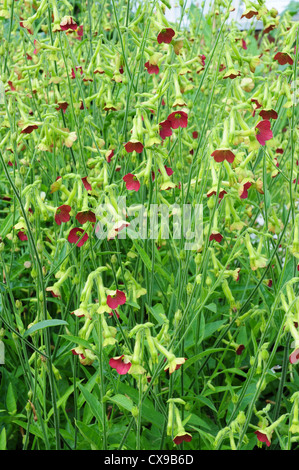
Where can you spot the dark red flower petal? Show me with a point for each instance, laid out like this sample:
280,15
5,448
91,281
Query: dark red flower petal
165,36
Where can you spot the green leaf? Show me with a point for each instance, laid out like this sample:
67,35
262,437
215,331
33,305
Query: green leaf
93,402
201,329
156,311
62,400
148,411
143,255
44,324
75,339
122,401
3,439
212,307
90,434
10,400
199,356
33,429
7,225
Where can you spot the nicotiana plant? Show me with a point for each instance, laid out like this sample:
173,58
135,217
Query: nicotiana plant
149,234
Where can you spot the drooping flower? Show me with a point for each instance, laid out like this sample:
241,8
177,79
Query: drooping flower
115,299
27,25
262,437
67,23
132,183
86,216
182,437
216,236
121,364
267,114
294,356
223,154
240,349
263,132
73,72
165,129
151,68
79,32
249,13
55,292
283,58
28,128
244,189
165,35
178,119
62,214
76,234
22,236
134,145
86,184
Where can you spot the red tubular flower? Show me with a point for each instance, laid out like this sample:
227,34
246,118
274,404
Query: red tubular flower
29,128
79,32
73,74
11,85
283,58
240,349
244,46
109,156
68,23
86,184
182,438
132,146
216,236
195,135
263,131
62,105
132,183
178,119
26,25
262,437
165,36
75,235
213,191
249,13
165,129
244,194
114,300
86,216
22,236
294,357
223,154
268,114
62,214
152,68
113,311
119,364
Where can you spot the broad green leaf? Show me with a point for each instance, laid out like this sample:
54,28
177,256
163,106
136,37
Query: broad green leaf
143,255
75,339
10,400
3,439
199,356
122,401
62,400
44,324
93,402
7,224
33,429
156,311
90,434
149,413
